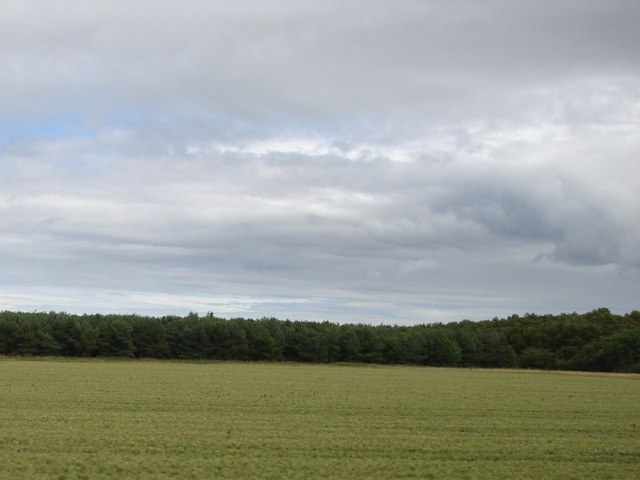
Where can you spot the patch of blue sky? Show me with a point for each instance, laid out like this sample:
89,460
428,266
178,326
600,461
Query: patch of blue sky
51,129
23,138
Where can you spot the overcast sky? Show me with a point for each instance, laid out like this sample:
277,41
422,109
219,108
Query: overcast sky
355,161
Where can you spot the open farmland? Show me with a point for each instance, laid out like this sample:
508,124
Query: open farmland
92,419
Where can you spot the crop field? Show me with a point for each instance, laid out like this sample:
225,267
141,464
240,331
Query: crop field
76,419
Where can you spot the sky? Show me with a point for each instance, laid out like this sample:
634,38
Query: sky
364,161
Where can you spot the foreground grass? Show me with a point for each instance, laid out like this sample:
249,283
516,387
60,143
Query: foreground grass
153,420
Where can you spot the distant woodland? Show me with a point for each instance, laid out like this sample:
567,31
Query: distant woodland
594,341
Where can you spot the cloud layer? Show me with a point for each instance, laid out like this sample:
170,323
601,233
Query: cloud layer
425,161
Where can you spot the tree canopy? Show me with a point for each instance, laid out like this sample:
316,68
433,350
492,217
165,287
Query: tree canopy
594,341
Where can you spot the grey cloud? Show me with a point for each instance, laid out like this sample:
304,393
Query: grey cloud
308,63
407,163
341,206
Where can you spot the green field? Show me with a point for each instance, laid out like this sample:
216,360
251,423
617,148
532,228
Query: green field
94,419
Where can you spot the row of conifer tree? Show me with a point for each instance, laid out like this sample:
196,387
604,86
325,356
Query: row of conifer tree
595,341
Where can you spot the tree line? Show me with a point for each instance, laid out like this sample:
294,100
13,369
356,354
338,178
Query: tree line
594,341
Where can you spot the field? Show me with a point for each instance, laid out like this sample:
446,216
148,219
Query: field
73,419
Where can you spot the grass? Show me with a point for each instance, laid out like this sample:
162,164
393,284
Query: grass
75,419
